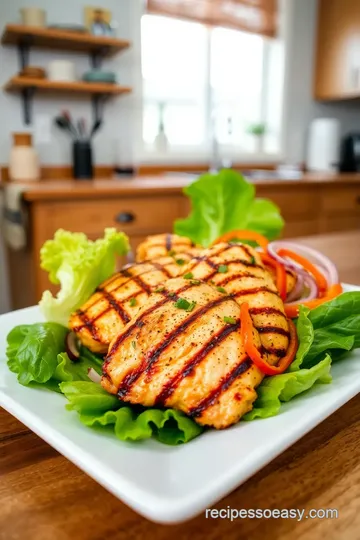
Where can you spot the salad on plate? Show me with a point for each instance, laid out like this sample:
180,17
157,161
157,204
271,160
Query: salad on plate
217,322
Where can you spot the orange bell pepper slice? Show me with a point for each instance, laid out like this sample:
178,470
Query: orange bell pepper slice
292,310
311,268
243,235
279,272
247,335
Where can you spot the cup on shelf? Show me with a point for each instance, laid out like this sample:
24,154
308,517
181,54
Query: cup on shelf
61,70
33,16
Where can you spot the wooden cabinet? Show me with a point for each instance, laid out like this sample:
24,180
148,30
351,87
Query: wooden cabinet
337,65
307,207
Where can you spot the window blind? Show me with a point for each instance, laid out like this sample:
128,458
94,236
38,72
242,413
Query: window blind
255,16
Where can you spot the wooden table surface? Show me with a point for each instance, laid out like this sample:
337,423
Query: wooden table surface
45,497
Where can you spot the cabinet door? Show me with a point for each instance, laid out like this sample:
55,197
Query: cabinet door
337,66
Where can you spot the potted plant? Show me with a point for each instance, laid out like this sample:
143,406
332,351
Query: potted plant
258,131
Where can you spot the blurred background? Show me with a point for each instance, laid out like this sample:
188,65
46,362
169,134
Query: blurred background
108,111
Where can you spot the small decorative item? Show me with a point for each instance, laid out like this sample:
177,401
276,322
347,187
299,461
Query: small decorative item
98,21
61,70
23,163
258,131
161,141
33,16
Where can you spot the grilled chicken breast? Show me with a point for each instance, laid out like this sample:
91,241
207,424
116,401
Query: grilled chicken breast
161,244
238,270
194,360
117,300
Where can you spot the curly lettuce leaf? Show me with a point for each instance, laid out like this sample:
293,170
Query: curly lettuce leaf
281,388
224,202
98,409
78,265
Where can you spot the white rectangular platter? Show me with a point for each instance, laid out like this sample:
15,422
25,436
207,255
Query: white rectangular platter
170,484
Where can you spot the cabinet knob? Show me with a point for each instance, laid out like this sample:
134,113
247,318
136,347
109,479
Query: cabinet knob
125,217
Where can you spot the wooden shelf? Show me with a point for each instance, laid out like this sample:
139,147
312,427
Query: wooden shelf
17,84
51,38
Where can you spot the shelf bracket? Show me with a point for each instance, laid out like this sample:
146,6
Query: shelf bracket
24,51
98,101
27,95
96,57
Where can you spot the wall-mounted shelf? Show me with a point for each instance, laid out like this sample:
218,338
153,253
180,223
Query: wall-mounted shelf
97,47
50,38
43,85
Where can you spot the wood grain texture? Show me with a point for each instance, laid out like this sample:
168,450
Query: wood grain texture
53,38
16,84
155,184
45,496
335,71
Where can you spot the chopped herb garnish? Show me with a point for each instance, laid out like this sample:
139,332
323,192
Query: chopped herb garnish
221,289
133,302
160,289
230,320
172,294
189,275
253,260
222,269
172,252
133,343
195,282
182,303
180,262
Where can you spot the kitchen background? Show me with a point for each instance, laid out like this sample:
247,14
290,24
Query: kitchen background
291,106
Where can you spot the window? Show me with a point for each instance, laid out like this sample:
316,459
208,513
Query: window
204,86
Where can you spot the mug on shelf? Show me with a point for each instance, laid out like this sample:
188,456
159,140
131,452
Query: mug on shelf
33,16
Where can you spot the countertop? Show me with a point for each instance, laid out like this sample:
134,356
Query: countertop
43,495
155,185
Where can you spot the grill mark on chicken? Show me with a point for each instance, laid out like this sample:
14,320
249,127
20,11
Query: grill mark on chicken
171,385
272,330
265,310
139,322
234,277
137,279
278,352
116,306
208,259
225,383
86,323
254,290
247,251
161,268
153,356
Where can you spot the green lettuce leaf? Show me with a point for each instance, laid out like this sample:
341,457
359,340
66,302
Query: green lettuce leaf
35,354
101,410
280,388
32,351
333,327
224,202
78,265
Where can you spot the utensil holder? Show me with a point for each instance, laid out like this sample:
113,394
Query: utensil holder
82,160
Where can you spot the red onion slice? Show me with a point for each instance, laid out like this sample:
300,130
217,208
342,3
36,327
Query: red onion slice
72,346
327,266
309,282
94,376
297,291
